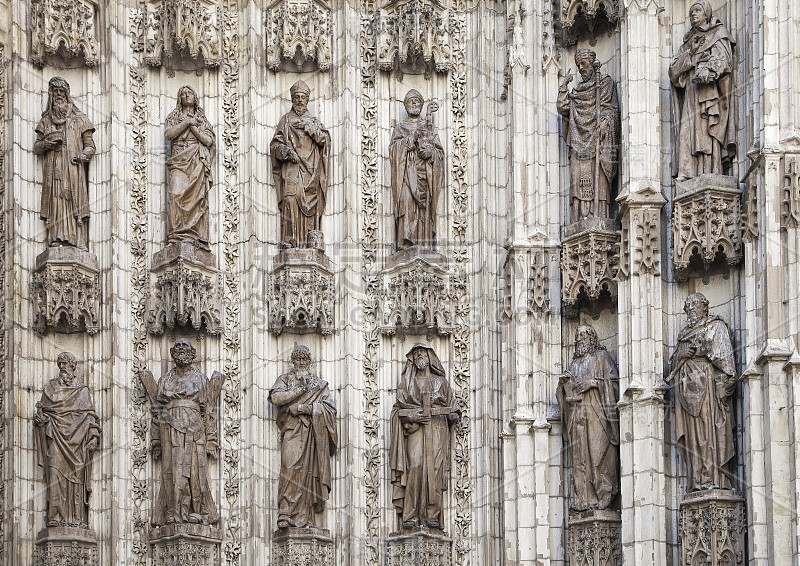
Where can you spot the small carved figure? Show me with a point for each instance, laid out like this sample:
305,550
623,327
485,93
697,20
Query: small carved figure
704,373
587,395
419,453
67,434
591,130
417,158
64,138
184,436
300,152
307,421
703,131
189,166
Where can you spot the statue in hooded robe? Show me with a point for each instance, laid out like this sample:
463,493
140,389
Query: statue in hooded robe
307,421
591,130
587,395
704,375
704,134
67,434
417,159
64,138
419,451
189,165
300,153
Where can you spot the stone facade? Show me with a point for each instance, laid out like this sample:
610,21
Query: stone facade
499,298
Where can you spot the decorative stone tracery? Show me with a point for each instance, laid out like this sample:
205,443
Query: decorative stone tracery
176,29
413,32
75,546
712,527
66,27
790,205
185,545
595,539
303,547
589,263
300,293
582,19
299,30
418,548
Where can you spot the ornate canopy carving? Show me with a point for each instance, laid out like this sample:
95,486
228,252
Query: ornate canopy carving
414,32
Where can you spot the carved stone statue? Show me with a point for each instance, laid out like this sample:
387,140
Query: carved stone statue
300,152
704,135
307,421
189,166
417,159
419,453
704,374
184,436
67,434
64,139
587,395
591,130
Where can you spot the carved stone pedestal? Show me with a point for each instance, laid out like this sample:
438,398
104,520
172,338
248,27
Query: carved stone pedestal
302,547
56,546
185,291
595,538
416,294
300,292
706,222
420,548
589,264
712,527
66,291
185,544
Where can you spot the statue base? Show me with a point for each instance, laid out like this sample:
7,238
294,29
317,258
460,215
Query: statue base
66,291
416,293
589,265
706,225
186,544
66,545
300,292
186,290
595,538
420,547
302,547
712,528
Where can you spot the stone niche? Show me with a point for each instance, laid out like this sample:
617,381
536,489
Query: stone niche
589,265
186,290
302,547
186,544
595,538
298,31
300,292
65,28
416,293
418,548
706,224
57,546
712,528
66,291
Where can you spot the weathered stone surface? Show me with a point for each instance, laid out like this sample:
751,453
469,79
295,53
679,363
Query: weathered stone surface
595,538
181,29
299,31
303,547
65,28
185,545
712,528
589,264
57,546
414,33
418,548
300,292
587,19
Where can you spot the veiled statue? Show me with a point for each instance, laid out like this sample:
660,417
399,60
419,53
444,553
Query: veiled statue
67,435
184,437
587,395
704,134
189,164
417,159
591,130
300,151
64,139
307,422
419,452
704,375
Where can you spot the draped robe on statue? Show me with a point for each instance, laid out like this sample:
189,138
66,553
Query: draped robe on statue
65,191
591,428
704,134
303,186
705,379
416,182
190,181
307,443
62,445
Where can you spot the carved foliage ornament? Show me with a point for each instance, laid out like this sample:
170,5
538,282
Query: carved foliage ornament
66,25
417,298
183,295
712,526
182,28
790,206
183,552
302,551
582,19
416,550
56,553
539,282
299,30
66,297
589,264
595,541
301,300
414,31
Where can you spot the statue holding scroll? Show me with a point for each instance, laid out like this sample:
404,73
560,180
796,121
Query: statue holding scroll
419,452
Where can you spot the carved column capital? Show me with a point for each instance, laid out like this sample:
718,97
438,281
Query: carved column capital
640,241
